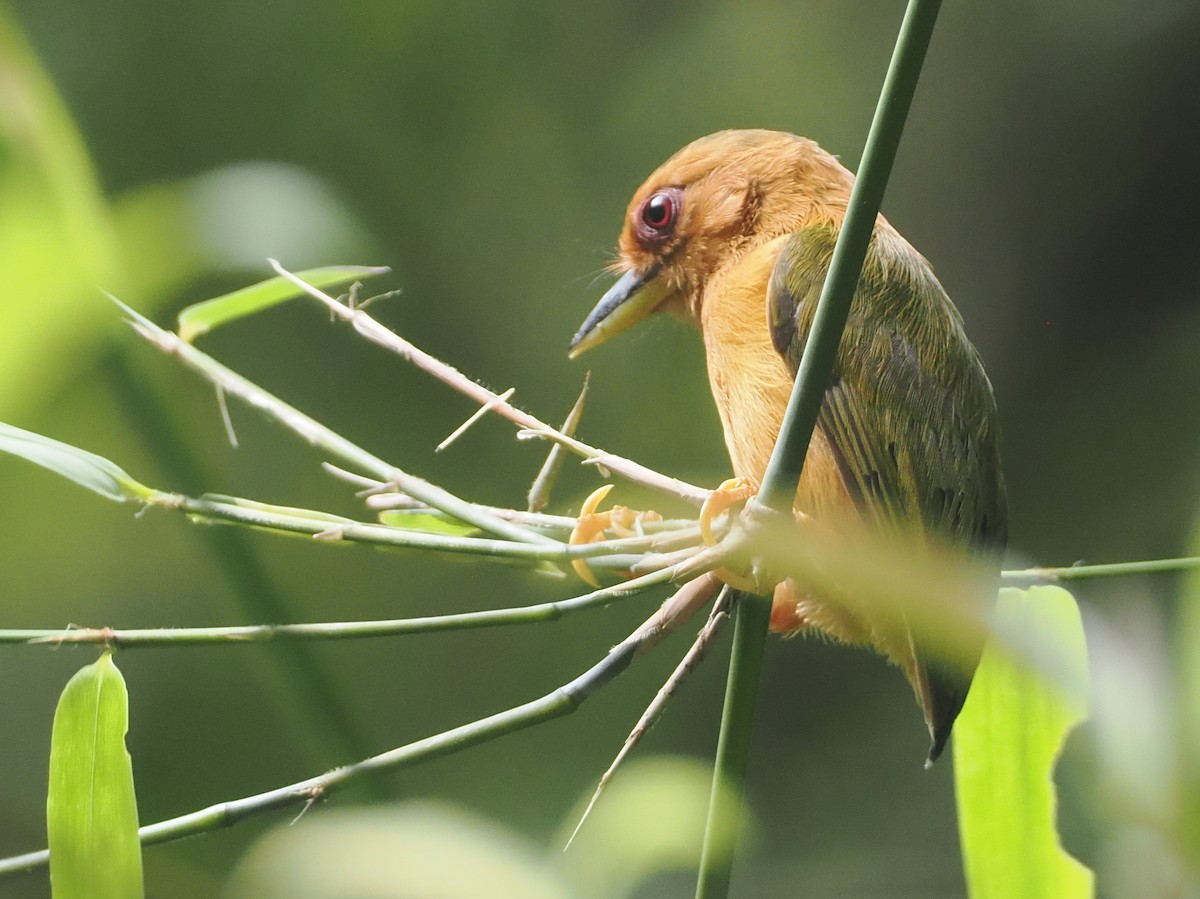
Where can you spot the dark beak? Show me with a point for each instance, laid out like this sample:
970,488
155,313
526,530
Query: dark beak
632,298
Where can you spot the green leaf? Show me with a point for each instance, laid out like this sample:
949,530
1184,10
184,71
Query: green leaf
1007,742
91,810
429,521
200,318
86,469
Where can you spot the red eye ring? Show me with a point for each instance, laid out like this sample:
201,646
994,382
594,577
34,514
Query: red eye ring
659,211
658,215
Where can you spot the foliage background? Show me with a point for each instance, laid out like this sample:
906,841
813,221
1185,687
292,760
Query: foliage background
486,151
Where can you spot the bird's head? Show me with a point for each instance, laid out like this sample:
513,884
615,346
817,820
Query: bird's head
707,205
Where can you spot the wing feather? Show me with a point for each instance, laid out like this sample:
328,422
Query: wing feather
911,417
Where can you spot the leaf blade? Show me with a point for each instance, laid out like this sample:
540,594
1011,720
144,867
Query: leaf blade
84,468
91,808
427,521
1007,742
202,317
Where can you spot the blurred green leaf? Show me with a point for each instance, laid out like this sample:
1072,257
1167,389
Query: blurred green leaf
56,240
1187,652
410,851
649,821
1186,634
91,810
1007,742
86,469
61,241
200,318
228,219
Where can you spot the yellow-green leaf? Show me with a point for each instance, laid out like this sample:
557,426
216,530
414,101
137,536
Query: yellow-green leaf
200,318
91,810
1007,742
429,521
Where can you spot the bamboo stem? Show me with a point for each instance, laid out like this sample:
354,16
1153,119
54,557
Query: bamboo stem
787,460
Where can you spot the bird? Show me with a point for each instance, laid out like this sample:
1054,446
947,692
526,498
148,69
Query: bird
734,233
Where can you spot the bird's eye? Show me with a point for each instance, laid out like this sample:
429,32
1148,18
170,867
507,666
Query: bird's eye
658,215
659,212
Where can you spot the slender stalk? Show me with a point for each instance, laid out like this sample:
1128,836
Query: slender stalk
377,333
559,702
539,490
833,308
1108,569
334,529
716,620
550,611
322,437
733,757
699,563
787,460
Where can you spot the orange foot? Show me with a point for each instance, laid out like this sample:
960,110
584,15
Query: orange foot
732,493
592,527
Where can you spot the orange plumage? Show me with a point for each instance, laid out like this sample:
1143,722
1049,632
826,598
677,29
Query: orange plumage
734,234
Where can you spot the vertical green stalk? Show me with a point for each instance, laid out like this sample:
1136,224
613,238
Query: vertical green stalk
787,461
733,746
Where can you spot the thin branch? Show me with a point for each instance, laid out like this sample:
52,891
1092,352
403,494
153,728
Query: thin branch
335,529
377,333
320,436
475,416
226,418
1108,569
700,563
562,701
382,496
539,490
559,702
716,620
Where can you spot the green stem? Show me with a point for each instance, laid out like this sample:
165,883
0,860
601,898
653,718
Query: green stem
833,308
1109,569
334,529
737,724
559,702
787,461
550,611
308,428
377,333
354,630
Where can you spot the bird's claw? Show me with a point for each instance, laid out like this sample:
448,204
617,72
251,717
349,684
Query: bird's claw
591,527
732,492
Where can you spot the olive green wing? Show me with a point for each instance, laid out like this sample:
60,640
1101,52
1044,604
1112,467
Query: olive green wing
910,415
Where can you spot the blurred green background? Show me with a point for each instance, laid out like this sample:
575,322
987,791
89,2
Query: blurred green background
486,152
